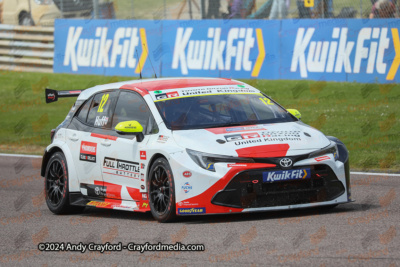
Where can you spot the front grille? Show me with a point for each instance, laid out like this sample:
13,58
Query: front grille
248,190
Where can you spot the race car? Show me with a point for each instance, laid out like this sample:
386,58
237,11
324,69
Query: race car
188,146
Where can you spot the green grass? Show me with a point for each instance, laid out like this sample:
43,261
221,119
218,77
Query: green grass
364,116
140,9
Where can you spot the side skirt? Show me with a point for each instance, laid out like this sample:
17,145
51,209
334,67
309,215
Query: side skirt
78,199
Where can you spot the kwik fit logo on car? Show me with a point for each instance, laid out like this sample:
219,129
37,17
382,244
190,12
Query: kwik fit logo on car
274,176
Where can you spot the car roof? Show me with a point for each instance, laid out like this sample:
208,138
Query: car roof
159,84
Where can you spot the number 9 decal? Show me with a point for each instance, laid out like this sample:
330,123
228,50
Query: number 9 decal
102,103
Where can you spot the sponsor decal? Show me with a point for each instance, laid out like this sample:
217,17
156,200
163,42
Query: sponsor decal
249,128
281,136
122,207
51,96
100,191
142,166
100,51
322,158
187,174
143,155
235,137
186,203
172,94
161,96
210,167
286,175
167,95
250,135
145,205
201,91
98,204
88,151
97,191
162,139
142,187
218,52
191,210
144,196
101,121
186,187
121,167
237,165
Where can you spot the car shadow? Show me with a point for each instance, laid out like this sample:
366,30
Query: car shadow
235,217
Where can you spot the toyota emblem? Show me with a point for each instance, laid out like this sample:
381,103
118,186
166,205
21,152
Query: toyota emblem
285,162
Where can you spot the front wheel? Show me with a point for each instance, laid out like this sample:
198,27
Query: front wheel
161,191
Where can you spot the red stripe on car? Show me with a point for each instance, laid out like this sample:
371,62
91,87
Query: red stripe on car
265,151
322,158
180,83
204,199
133,87
103,136
235,129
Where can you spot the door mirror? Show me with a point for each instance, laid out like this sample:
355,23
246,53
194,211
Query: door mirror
129,127
295,113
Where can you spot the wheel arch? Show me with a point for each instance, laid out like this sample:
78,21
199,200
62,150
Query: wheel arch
63,148
151,162
46,157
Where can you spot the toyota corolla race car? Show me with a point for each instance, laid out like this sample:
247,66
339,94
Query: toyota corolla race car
188,146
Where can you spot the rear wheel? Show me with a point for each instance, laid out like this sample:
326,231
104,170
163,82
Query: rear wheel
56,185
161,191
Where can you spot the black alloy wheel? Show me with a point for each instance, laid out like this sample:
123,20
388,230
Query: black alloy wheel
161,191
56,185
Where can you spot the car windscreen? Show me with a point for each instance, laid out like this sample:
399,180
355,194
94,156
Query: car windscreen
210,111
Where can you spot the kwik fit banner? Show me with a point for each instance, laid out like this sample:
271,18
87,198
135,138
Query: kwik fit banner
331,49
107,47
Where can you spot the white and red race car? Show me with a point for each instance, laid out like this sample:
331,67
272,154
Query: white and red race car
185,146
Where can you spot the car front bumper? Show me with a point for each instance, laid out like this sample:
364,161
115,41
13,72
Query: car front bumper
235,188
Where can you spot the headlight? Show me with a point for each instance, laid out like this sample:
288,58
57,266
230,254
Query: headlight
331,149
207,161
44,2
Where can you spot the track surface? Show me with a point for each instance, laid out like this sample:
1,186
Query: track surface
365,232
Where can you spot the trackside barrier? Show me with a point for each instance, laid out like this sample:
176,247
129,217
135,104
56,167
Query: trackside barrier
362,50
26,48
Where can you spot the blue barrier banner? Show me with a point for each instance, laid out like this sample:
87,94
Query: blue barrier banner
360,50
107,47
221,48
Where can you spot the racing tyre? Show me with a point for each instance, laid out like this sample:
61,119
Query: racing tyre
161,191
56,185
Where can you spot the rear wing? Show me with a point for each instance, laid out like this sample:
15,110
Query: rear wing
53,95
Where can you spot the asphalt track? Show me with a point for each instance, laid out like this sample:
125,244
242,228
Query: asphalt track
363,233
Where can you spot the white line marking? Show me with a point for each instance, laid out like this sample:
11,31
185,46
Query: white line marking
375,173
20,155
